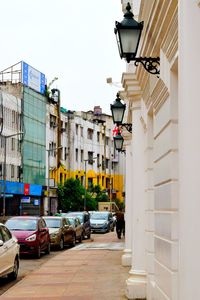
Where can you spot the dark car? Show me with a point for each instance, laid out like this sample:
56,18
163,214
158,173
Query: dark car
61,231
32,234
84,218
76,223
102,221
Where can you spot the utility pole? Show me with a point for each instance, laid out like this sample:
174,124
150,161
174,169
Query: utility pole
85,184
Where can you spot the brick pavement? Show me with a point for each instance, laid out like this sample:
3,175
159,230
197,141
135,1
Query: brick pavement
83,274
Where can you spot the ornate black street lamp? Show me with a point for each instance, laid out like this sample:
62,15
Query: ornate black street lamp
118,109
118,142
128,34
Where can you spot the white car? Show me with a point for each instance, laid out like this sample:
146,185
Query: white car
9,253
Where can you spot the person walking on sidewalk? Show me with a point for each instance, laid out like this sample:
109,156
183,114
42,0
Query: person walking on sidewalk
120,223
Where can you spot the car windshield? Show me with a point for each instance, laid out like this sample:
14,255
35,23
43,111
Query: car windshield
78,215
99,216
53,223
22,224
71,221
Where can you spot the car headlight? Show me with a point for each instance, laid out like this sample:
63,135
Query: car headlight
31,238
106,222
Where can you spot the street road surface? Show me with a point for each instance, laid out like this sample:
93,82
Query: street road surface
29,263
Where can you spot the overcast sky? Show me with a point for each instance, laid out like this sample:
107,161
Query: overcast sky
71,40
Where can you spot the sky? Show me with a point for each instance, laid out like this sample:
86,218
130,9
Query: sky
71,40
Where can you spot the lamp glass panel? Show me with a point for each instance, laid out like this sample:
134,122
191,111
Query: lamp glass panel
118,44
129,40
119,143
118,114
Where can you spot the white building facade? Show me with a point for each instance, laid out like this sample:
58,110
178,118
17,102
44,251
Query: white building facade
164,153
87,153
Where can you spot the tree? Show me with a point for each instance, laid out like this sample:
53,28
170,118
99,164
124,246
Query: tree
97,193
70,195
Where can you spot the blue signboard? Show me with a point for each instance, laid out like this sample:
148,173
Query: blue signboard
18,188
33,78
35,190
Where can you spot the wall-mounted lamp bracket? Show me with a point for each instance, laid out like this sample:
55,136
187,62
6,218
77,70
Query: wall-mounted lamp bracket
128,126
149,63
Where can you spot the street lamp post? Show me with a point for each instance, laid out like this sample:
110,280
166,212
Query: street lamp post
85,161
48,178
5,137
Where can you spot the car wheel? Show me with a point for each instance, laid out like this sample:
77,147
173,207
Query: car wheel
48,250
80,239
14,273
73,243
38,254
61,245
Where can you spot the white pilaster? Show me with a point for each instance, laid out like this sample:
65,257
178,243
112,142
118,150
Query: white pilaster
127,253
189,153
136,283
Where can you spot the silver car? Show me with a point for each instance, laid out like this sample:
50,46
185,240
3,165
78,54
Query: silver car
9,253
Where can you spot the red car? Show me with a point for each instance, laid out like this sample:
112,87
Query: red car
32,234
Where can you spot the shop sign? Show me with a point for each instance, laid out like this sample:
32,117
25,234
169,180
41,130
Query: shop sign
26,189
33,78
25,200
36,202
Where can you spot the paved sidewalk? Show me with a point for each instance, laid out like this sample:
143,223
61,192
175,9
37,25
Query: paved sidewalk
85,274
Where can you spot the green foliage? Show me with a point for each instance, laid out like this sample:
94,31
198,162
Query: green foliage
99,195
70,195
91,203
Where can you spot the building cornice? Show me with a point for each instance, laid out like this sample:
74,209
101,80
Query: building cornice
160,24
131,86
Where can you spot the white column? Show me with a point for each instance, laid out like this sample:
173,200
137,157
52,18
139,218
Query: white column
189,149
149,193
136,283
127,253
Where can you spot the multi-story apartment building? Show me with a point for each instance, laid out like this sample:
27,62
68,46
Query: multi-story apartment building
10,151
87,152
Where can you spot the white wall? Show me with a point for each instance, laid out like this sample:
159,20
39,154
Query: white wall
189,144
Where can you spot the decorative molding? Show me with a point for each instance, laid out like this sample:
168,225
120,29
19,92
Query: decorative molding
159,95
170,41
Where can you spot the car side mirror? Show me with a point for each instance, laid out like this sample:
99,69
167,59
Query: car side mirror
1,243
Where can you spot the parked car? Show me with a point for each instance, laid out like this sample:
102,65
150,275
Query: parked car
76,223
61,231
84,218
32,234
9,253
102,221
114,219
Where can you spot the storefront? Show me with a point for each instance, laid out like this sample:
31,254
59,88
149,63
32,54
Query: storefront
21,198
